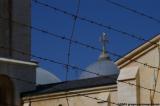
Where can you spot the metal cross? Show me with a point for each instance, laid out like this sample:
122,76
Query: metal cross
104,41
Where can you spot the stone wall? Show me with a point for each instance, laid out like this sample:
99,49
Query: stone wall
22,76
109,95
12,34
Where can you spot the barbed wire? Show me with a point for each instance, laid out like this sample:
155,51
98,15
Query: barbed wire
71,36
86,45
79,43
110,27
30,82
78,94
95,98
75,67
70,44
133,10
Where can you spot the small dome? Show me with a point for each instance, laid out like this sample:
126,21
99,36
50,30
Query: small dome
45,77
102,67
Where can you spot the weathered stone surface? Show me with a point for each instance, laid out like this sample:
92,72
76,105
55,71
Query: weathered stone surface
12,34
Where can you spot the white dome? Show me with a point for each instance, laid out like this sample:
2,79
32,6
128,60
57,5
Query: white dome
101,67
45,77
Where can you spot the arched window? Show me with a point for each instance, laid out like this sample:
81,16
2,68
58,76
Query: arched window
6,91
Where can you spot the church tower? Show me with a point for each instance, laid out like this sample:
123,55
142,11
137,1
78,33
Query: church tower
13,35
17,72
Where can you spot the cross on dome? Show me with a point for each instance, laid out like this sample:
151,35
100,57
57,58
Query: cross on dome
104,40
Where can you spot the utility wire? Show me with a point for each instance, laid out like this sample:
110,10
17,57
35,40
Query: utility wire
110,27
133,10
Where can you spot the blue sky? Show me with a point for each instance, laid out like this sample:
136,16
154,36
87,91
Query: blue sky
99,10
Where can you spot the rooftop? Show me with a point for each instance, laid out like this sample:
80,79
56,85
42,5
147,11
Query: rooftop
73,85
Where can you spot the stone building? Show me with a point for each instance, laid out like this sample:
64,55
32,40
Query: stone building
17,72
137,82
14,65
133,79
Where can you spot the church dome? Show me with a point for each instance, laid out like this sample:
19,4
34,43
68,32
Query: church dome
45,77
104,66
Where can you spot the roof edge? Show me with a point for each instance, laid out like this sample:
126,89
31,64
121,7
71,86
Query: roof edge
138,50
71,93
15,61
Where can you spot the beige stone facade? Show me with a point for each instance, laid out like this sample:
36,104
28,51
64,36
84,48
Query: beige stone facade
82,97
138,79
148,75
